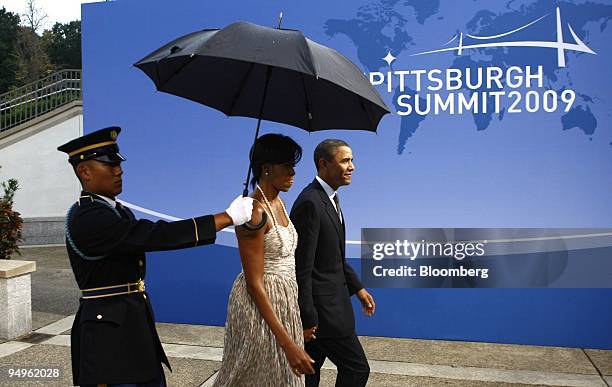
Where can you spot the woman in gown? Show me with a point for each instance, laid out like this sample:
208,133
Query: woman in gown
263,334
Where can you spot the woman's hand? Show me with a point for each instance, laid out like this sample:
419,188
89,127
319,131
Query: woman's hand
309,334
298,359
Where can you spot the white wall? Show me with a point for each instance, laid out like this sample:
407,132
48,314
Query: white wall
47,184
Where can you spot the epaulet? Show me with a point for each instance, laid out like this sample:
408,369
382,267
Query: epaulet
92,200
85,199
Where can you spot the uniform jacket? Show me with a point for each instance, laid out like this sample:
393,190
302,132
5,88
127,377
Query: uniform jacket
325,280
114,338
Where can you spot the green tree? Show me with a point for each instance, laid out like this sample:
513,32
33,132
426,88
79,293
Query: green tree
9,26
25,56
33,60
63,45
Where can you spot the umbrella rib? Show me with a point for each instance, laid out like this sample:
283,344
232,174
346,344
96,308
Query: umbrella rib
191,59
363,105
308,106
315,73
240,89
157,73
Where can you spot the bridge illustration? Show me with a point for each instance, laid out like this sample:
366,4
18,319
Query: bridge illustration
560,45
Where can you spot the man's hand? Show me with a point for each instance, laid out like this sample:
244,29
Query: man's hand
309,334
367,302
240,210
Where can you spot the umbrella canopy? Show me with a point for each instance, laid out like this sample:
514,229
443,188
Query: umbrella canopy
267,73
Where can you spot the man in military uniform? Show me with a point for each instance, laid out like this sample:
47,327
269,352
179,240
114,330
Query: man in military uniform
113,338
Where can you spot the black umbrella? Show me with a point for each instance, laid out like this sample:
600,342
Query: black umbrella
267,73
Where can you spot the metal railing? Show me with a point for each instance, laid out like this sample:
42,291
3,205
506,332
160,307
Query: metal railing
40,97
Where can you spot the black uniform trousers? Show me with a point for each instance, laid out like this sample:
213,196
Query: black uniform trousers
160,381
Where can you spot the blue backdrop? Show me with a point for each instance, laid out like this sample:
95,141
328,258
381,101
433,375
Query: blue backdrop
501,168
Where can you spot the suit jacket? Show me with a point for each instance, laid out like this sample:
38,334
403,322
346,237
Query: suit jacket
114,339
325,280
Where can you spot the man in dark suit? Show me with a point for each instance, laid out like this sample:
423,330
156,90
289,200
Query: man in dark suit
325,280
113,338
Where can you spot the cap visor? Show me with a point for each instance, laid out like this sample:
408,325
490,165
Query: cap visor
114,157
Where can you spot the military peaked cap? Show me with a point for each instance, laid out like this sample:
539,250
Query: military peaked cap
100,145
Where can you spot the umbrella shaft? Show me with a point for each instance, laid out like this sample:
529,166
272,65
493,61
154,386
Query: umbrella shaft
245,192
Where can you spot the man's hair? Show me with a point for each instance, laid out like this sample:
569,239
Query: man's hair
326,150
75,168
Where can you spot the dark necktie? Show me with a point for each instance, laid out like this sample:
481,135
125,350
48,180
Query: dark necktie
338,210
122,211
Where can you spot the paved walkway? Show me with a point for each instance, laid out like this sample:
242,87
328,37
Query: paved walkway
195,351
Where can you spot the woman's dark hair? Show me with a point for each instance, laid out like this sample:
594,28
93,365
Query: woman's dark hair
273,149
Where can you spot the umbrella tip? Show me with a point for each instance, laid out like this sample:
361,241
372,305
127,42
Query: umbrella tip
280,19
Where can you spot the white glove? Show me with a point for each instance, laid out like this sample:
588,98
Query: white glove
240,210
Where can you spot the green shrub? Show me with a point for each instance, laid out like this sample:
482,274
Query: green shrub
11,223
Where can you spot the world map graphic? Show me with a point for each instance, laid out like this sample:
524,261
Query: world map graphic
382,27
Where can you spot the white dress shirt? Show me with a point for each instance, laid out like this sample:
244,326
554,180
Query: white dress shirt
109,200
330,194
